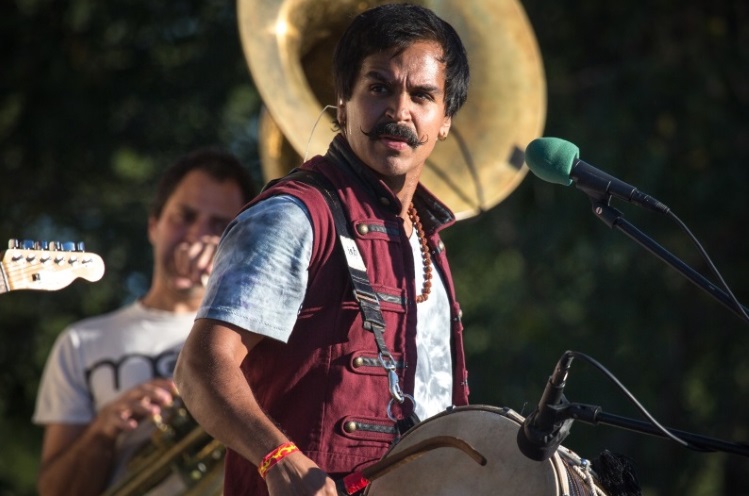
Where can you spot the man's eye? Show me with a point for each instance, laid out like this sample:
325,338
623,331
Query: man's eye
185,217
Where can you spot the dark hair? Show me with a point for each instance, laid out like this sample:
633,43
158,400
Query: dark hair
399,26
217,163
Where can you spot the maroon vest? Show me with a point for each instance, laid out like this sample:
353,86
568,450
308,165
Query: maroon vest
326,387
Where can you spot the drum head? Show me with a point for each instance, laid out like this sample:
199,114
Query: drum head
448,471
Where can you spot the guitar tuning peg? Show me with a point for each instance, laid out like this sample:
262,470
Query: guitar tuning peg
80,246
28,244
68,246
43,245
54,245
12,243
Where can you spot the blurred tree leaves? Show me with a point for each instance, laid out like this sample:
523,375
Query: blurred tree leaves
96,98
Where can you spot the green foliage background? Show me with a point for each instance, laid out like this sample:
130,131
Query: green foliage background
96,98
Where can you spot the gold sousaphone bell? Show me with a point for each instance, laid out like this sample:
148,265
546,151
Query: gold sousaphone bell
289,44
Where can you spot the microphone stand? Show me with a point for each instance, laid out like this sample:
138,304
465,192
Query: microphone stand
594,415
615,219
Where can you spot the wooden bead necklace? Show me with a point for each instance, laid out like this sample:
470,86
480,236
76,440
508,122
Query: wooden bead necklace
426,259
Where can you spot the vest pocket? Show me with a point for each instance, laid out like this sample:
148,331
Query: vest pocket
367,428
368,363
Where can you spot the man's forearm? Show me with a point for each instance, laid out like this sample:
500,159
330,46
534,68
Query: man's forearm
83,470
231,415
216,393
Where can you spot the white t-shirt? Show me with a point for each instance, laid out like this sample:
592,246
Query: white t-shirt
434,378
95,360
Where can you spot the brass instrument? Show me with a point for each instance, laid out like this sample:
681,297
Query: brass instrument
178,458
288,45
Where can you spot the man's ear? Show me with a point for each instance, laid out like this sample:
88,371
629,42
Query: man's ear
445,128
341,113
152,221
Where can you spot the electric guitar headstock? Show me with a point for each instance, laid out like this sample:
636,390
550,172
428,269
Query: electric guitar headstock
46,266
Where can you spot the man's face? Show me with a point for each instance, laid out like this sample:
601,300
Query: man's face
196,213
407,89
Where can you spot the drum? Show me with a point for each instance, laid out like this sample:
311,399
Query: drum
492,432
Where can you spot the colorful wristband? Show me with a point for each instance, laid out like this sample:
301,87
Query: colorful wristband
276,456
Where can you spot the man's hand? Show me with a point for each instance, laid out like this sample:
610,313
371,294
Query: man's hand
297,475
134,406
194,261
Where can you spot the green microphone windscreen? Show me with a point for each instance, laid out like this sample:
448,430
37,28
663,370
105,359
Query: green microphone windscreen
551,159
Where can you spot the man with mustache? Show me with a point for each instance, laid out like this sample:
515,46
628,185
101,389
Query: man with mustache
318,341
110,374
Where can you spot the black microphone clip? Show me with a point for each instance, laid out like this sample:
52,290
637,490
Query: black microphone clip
548,425
540,443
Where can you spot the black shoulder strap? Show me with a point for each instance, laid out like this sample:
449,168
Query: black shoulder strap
363,292
366,297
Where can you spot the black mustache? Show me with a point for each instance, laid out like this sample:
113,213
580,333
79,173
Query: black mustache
397,131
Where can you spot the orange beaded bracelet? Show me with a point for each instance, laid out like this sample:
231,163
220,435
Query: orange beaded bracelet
276,456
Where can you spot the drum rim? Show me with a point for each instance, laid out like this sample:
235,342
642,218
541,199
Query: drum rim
504,412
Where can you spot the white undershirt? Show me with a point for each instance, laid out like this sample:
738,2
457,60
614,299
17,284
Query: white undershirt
434,378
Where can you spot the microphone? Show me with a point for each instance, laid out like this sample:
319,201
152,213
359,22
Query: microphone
544,430
557,161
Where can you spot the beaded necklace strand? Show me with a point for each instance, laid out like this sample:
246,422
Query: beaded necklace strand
426,259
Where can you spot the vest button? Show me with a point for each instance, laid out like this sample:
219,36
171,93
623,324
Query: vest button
441,245
362,229
358,362
350,427
385,201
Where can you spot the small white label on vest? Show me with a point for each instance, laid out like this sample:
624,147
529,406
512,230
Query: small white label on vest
353,257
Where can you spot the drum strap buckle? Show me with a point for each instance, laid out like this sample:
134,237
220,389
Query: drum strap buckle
388,363
404,424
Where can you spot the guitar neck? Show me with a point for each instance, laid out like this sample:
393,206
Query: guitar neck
46,270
